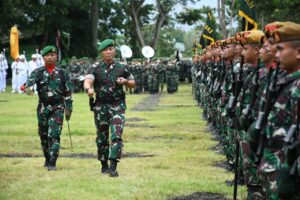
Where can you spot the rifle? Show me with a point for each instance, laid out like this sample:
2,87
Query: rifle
221,78
236,169
237,88
291,142
263,116
239,85
247,118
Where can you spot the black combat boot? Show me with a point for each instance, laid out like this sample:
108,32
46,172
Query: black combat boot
113,168
46,162
104,168
46,159
52,164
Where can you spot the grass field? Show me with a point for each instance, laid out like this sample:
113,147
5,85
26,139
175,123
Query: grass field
167,153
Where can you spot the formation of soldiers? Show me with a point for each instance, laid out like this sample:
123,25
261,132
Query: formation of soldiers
77,68
249,89
151,76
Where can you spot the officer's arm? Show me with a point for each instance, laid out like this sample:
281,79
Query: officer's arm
88,84
130,83
28,86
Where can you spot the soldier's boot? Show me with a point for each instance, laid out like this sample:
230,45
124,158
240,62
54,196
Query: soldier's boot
52,164
104,167
46,159
113,168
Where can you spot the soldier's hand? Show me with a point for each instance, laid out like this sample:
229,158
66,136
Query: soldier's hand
68,114
90,92
122,81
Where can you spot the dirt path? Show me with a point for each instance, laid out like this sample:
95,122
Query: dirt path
148,104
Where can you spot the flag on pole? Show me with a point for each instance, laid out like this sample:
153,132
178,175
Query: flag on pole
248,14
14,42
58,44
208,35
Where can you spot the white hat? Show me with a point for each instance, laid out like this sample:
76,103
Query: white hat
33,56
21,57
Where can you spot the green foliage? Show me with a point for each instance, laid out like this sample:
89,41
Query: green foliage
278,10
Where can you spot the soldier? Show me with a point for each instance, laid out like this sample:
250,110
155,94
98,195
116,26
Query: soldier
286,35
161,74
250,41
106,79
54,89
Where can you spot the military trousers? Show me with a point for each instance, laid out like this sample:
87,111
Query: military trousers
50,122
109,117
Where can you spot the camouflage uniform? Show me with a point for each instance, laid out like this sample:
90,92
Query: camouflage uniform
109,108
279,121
54,92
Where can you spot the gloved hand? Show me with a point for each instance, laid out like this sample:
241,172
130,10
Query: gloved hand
68,114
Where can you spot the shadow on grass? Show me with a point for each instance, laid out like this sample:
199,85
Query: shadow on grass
200,196
72,155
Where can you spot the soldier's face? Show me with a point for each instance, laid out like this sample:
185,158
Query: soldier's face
108,54
287,56
238,50
50,58
265,52
229,51
250,53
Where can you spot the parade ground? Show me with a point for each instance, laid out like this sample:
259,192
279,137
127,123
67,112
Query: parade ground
168,153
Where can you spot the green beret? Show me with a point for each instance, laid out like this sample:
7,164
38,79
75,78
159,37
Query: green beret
106,43
49,49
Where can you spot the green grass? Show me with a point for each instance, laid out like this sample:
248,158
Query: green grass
177,139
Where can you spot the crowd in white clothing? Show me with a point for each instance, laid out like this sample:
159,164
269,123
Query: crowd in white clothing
21,69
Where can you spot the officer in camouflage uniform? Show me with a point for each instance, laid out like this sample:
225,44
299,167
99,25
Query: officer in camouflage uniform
172,76
161,74
106,79
54,89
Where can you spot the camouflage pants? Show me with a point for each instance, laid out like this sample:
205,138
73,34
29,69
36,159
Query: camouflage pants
109,116
269,172
253,183
50,121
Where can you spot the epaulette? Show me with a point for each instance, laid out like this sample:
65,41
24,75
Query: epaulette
95,64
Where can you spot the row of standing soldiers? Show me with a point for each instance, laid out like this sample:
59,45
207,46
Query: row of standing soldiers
149,76
249,89
152,75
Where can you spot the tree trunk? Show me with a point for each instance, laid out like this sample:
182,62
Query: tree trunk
231,19
221,16
94,25
137,24
159,22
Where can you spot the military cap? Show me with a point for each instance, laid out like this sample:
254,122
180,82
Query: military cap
49,49
250,37
106,43
283,31
231,40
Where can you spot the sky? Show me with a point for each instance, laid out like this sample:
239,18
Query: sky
211,3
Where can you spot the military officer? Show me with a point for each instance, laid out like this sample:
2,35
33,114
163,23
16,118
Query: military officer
105,80
55,99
